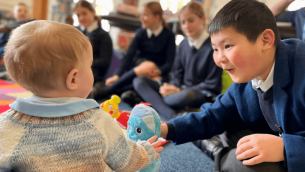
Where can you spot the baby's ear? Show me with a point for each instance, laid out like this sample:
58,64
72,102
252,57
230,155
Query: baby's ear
72,79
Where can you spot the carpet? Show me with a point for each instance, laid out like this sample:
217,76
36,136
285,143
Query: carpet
9,92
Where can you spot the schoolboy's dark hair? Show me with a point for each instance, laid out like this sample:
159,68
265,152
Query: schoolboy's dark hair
247,17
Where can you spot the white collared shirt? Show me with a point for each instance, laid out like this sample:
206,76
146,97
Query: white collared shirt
197,44
90,28
264,85
59,100
156,32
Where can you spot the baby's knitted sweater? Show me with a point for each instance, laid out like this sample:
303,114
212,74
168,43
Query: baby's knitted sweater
89,140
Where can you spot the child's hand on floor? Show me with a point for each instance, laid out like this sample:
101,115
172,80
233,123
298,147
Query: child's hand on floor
156,145
258,148
167,89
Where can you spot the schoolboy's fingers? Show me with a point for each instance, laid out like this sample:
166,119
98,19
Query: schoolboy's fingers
139,140
253,161
243,140
158,149
152,139
157,143
247,154
243,147
157,156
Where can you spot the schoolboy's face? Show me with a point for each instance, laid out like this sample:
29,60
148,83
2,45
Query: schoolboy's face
240,58
86,75
191,24
21,12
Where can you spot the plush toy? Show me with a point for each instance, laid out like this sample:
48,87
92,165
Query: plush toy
144,122
112,107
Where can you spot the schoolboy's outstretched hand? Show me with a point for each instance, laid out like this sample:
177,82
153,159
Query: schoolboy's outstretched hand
156,145
257,148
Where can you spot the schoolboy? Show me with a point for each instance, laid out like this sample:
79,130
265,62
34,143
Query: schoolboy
57,129
265,106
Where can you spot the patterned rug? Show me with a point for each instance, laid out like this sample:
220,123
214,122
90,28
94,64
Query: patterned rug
9,92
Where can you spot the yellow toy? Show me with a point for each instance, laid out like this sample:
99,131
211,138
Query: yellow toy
112,107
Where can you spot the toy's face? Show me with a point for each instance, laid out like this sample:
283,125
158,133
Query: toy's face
137,129
111,108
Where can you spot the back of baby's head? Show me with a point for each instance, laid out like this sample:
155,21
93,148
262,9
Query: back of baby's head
40,54
247,17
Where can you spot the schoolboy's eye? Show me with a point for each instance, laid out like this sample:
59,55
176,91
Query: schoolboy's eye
227,46
215,50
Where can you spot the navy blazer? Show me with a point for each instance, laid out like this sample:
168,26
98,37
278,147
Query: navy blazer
240,106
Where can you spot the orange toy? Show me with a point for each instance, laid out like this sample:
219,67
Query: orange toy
112,107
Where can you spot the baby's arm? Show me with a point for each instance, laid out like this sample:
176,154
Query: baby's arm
280,6
121,153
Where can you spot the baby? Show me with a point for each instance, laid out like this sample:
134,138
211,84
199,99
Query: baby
57,129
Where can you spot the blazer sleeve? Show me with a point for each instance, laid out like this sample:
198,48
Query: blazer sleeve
170,55
212,120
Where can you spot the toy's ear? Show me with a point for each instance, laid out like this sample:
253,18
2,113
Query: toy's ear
150,122
115,99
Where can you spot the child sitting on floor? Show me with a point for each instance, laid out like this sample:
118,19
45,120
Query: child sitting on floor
262,113
57,129
20,14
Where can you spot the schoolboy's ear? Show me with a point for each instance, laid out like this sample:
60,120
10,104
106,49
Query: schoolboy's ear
267,39
71,81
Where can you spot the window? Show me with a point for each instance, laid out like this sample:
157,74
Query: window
173,5
295,5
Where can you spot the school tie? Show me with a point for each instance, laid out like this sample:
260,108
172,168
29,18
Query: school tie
152,36
193,49
84,31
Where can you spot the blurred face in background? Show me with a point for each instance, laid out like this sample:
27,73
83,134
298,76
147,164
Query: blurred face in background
85,16
21,12
149,20
192,25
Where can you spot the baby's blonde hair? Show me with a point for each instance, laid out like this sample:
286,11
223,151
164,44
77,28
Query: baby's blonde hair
40,54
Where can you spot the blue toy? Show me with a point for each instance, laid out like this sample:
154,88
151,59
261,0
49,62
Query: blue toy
144,122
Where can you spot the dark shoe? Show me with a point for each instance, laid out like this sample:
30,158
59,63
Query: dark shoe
131,97
99,92
211,147
181,113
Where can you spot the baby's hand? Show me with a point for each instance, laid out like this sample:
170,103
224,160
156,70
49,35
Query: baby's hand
156,145
258,148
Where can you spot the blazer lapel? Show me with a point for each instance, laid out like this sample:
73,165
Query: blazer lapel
281,80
